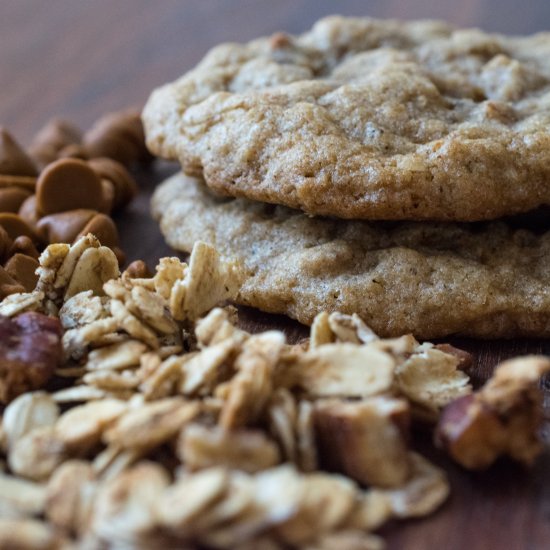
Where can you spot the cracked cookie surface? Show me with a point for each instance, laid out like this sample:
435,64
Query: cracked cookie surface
362,118
485,280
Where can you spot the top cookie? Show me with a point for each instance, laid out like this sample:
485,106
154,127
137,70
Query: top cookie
360,118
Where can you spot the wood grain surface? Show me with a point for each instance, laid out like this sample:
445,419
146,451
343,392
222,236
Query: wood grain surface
81,58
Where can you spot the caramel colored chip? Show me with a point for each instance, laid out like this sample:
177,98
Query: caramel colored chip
13,160
11,198
124,185
15,225
5,243
23,269
8,285
103,228
64,227
118,136
108,190
51,139
68,184
28,211
73,151
23,245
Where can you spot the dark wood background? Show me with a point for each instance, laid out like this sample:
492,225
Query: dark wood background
81,58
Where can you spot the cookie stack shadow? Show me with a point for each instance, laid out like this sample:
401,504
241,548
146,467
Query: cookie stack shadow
369,167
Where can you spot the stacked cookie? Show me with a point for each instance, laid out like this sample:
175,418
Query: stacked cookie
356,157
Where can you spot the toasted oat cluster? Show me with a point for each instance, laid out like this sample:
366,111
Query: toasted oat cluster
170,426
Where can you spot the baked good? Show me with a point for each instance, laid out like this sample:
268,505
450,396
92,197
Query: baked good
484,280
362,118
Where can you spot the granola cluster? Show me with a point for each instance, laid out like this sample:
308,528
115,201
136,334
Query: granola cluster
170,426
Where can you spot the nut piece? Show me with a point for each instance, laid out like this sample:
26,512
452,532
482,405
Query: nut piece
503,418
68,184
138,270
366,440
30,349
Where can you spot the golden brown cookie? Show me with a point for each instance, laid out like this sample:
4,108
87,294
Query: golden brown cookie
361,118
483,280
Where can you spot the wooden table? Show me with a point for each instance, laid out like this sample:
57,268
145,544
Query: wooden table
80,59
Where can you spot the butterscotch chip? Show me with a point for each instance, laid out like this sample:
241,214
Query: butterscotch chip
28,211
124,185
51,139
365,118
74,151
24,182
23,245
68,184
15,226
5,243
425,278
64,227
11,198
22,268
13,160
103,228
118,136
8,285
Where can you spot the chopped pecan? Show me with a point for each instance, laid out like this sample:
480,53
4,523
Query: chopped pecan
503,418
30,349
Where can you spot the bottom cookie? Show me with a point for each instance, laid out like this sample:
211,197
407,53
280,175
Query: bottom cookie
483,280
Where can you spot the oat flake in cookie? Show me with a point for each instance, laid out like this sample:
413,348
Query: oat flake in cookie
487,280
360,118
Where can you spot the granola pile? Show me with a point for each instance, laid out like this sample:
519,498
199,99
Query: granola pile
147,418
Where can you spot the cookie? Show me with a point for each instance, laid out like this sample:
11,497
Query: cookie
361,118
484,280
